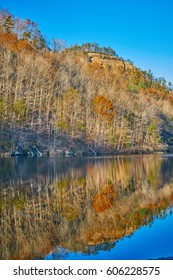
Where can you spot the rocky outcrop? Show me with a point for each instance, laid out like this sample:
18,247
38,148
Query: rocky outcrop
109,62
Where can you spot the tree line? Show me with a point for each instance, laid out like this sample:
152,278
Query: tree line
28,30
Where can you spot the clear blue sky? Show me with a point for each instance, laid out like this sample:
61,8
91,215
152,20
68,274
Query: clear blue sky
139,30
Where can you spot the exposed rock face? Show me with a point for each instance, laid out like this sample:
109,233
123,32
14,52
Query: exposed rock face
109,61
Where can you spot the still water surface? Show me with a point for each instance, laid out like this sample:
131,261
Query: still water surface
86,208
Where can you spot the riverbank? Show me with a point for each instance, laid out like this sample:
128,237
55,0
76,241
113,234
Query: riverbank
65,151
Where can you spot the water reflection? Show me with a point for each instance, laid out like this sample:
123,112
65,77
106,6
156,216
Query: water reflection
80,204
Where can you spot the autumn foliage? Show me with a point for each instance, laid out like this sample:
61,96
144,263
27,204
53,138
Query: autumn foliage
82,92
11,42
24,45
104,199
104,108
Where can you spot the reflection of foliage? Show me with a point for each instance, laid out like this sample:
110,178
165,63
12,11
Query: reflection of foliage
1,204
131,186
145,215
152,177
81,180
140,217
72,210
63,183
104,200
18,202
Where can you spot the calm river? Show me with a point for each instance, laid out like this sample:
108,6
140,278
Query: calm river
86,207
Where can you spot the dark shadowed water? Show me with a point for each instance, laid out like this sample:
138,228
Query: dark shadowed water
86,208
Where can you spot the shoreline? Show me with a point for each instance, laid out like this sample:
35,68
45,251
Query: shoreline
122,152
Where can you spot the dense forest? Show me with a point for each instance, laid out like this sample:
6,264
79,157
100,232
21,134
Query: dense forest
83,97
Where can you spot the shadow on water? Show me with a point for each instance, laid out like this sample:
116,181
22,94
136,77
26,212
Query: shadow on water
87,205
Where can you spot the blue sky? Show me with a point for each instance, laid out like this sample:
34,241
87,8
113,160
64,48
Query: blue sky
141,31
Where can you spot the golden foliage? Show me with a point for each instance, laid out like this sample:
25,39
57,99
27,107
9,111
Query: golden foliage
104,200
24,45
104,108
9,40
171,99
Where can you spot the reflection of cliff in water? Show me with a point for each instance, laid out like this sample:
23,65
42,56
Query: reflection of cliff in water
79,203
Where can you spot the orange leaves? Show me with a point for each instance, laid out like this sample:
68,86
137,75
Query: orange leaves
152,91
10,41
170,199
104,108
104,200
24,45
171,99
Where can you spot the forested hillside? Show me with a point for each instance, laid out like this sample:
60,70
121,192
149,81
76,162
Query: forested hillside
77,97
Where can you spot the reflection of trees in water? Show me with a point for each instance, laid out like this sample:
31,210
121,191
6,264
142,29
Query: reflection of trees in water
18,171
98,203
